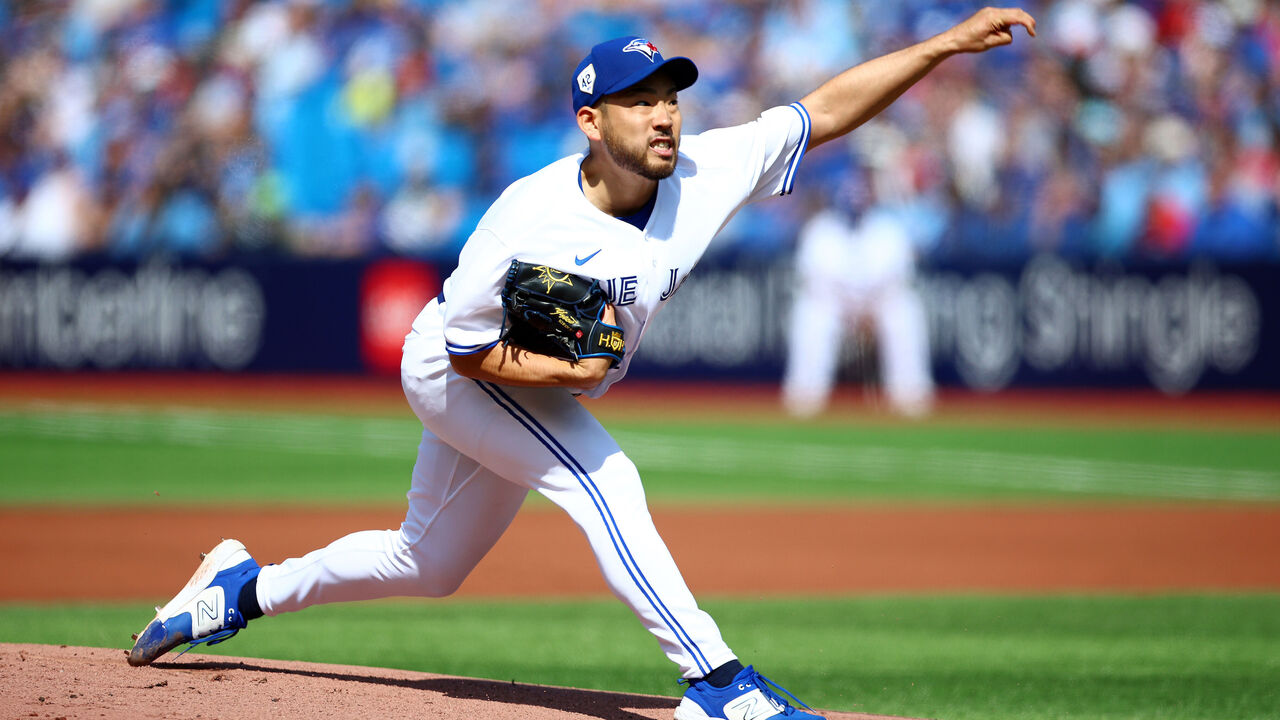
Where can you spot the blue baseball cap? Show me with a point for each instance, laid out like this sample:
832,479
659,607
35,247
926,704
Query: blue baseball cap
619,63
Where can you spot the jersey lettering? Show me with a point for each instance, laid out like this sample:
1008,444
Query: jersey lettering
621,291
672,287
627,295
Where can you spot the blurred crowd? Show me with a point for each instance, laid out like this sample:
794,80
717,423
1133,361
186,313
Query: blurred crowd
1132,131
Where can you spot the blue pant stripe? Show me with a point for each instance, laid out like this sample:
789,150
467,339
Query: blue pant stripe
561,454
585,479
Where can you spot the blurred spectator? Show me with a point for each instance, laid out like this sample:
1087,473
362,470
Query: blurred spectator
56,215
421,218
1178,187
1130,131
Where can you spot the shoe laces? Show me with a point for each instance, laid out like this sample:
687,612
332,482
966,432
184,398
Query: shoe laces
766,686
213,639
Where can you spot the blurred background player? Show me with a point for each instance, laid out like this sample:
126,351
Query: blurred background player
855,267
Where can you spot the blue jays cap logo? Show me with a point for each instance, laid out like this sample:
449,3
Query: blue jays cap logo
641,45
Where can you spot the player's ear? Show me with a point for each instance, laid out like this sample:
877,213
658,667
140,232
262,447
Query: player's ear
589,120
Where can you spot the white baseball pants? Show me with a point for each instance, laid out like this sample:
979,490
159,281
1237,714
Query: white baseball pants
484,447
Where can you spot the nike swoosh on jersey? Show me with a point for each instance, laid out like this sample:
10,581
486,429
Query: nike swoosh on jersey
583,261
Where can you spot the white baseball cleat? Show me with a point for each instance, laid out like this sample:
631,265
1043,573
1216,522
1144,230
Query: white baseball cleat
205,611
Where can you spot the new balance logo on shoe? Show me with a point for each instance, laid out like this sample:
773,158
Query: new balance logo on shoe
751,706
206,613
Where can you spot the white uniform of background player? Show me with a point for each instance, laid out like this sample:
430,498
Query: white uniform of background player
855,261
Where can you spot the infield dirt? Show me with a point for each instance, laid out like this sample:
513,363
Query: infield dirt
127,554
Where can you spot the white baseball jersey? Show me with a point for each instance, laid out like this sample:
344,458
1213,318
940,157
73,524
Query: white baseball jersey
545,219
486,446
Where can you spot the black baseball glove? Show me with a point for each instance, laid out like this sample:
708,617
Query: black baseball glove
551,312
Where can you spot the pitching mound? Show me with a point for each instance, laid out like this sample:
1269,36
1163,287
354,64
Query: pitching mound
46,681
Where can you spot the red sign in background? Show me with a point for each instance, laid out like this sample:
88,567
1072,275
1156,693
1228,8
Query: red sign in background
392,293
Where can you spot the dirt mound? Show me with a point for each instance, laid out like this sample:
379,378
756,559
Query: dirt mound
47,681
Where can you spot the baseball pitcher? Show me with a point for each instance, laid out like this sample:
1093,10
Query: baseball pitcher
551,296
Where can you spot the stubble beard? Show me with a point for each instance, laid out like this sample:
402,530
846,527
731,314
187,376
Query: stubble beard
639,161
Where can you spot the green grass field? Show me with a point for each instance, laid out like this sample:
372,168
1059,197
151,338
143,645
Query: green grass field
1023,658
94,456
1034,657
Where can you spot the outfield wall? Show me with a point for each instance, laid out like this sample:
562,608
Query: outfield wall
1047,323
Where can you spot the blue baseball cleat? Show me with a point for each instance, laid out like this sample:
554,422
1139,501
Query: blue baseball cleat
206,611
749,697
